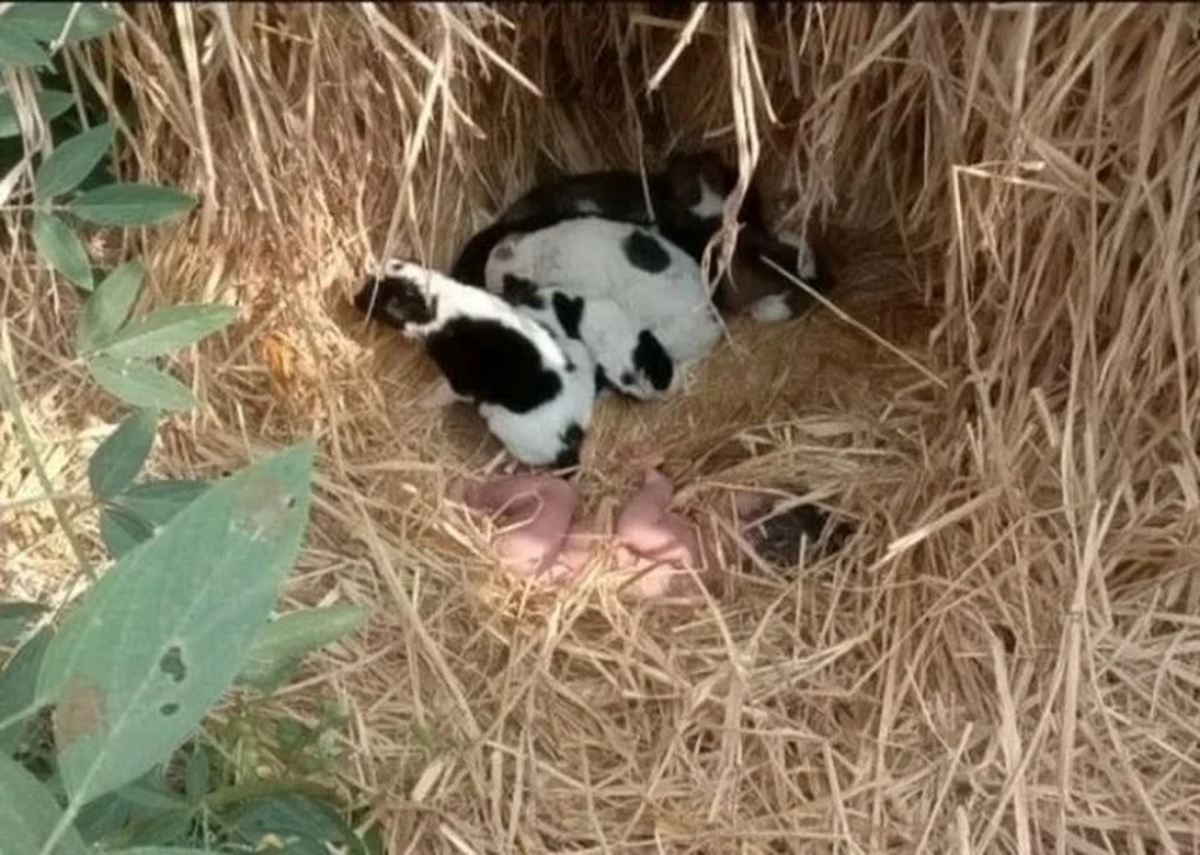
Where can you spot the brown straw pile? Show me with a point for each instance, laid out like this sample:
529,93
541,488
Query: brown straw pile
1002,394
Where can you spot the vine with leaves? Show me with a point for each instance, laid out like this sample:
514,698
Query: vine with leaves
102,706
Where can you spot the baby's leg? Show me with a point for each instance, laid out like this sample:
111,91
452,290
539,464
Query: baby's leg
647,528
541,508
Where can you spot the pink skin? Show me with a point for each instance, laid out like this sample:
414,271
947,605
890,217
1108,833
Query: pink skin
659,546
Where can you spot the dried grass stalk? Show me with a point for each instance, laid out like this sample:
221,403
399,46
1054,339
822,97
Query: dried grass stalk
1004,660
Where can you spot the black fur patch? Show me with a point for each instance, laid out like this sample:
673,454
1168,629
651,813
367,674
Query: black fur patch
494,364
572,440
397,302
652,359
645,252
602,382
627,378
778,538
569,311
519,291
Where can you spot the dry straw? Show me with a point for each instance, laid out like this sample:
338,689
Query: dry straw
1007,656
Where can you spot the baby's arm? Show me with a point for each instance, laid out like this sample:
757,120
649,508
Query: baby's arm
542,508
646,527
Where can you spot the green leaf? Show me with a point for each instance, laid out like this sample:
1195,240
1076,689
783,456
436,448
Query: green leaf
51,104
306,823
15,617
18,687
159,637
133,515
102,817
167,850
159,829
18,50
60,247
72,161
157,502
109,305
140,384
167,329
119,458
29,815
122,531
133,204
292,735
198,773
45,21
288,638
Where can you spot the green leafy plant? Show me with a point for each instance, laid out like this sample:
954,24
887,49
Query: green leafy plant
100,711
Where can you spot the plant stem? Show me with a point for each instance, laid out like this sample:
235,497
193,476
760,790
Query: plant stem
12,401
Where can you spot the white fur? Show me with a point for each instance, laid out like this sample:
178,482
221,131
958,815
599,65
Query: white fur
534,437
610,336
711,202
588,206
584,257
454,299
771,309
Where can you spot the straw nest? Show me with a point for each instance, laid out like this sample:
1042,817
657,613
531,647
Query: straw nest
1002,393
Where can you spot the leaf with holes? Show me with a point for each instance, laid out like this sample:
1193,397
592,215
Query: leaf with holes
18,50
119,458
286,639
140,384
15,617
29,814
133,204
161,635
109,306
61,248
51,104
71,162
45,21
166,330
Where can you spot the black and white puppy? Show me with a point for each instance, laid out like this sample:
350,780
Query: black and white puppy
534,391
629,358
655,283
684,203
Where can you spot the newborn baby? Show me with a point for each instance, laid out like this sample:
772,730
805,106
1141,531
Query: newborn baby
666,555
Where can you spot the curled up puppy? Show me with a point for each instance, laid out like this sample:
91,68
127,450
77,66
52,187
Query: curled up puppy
534,391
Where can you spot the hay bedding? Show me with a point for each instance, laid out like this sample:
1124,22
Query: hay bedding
1004,660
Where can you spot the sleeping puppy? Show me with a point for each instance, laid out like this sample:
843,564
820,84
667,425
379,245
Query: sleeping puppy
682,204
534,391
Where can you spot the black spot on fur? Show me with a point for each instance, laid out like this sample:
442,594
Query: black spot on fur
645,252
652,359
572,440
627,378
397,302
491,363
569,311
602,382
520,291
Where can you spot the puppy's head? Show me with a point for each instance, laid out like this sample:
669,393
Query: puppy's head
401,297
